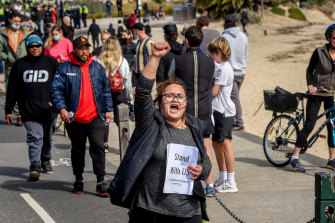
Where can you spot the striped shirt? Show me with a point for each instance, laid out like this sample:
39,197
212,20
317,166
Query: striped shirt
143,52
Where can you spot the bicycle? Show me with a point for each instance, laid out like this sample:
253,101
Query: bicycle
281,133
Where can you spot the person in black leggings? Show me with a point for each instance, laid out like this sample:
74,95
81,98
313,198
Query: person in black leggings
320,74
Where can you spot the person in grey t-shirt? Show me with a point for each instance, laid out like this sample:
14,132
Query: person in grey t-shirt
209,34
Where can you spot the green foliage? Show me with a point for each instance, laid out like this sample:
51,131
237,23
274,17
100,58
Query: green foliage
278,11
295,13
95,7
159,1
219,8
311,3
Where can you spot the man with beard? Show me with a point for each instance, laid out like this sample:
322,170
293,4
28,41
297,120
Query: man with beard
81,93
29,85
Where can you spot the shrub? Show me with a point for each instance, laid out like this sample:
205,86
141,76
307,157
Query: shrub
295,13
278,11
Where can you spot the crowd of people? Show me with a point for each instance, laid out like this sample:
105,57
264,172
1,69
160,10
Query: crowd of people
85,85
185,97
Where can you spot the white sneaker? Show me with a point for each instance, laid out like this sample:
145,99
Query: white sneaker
229,188
218,182
221,187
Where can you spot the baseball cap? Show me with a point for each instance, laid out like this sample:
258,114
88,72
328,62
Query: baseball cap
34,39
138,26
170,29
230,18
80,41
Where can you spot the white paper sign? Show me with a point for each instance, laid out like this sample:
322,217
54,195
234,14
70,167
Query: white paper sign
177,177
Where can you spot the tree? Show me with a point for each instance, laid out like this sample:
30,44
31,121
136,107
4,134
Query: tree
222,7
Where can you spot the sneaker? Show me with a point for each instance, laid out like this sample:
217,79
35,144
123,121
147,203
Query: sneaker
297,167
218,182
238,128
230,188
220,188
209,192
19,121
46,166
101,189
78,187
330,164
35,170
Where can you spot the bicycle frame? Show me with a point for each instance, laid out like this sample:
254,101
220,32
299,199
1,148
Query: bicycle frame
301,116
315,136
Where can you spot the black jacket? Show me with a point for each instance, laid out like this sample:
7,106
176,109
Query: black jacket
129,54
145,139
68,32
165,62
94,29
199,94
29,84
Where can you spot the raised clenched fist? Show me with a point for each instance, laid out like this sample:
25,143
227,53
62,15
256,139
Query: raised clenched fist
160,49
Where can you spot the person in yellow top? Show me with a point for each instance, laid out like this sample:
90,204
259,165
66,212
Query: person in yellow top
84,14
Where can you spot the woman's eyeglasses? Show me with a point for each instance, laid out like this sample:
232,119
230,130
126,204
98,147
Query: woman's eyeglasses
170,97
34,46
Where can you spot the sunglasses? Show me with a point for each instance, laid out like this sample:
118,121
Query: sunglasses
34,46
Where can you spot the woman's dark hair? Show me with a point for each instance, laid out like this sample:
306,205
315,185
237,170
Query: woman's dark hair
163,85
194,36
130,40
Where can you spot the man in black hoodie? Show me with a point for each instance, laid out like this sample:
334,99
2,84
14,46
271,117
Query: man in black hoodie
29,85
167,63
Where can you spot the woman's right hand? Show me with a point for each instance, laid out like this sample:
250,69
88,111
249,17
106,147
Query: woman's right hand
160,49
312,89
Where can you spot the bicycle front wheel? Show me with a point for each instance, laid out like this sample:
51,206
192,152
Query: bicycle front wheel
279,140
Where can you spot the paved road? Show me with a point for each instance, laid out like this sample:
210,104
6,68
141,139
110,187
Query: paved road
266,193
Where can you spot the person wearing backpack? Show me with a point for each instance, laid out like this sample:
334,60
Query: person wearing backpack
117,71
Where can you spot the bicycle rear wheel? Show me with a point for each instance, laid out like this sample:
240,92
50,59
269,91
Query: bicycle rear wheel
279,140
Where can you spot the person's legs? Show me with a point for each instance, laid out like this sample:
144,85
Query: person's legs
47,143
78,135
207,142
97,153
34,140
312,110
35,143
235,97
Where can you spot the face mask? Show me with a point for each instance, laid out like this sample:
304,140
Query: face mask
56,38
14,26
123,40
135,36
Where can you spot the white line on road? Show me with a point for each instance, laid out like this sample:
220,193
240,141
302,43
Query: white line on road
39,210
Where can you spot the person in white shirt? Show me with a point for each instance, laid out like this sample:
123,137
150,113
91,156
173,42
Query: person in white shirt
223,113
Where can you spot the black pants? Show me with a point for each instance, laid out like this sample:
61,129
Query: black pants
83,18
119,12
312,110
140,215
78,133
95,40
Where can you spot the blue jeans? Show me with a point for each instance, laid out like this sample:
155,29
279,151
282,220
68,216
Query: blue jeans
39,135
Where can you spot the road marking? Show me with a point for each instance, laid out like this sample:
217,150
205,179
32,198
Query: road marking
39,210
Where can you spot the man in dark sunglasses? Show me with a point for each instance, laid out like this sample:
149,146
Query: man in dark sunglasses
29,84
